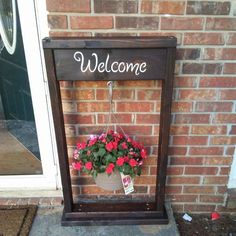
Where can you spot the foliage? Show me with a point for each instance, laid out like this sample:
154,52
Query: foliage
106,152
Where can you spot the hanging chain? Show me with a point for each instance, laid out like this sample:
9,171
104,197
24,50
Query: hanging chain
111,114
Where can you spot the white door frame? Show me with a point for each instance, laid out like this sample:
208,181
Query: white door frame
33,15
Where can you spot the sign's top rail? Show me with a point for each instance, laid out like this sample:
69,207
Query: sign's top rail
122,42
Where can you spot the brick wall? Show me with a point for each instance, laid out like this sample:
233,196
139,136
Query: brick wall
203,132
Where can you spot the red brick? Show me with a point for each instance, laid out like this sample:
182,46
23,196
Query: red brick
93,107
218,82
94,190
57,22
137,130
91,22
206,151
208,8
220,160
214,23
79,6
177,207
188,53
181,23
135,107
179,129
205,129
231,39
69,34
133,22
227,94
102,94
66,84
172,189
215,180
66,94
145,179
224,170
148,140
177,150
199,208
233,129
120,118
182,198
223,140
78,119
70,130
90,84
169,33
202,68
175,170
230,68
199,189
153,170
183,180
85,94
151,160
230,150
186,161
115,34
203,39
200,94
167,7
192,118
225,118
135,83
113,6
87,130
219,54
182,107
211,198
221,189
149,94
68,107
190,140
185,82
214,106
201,170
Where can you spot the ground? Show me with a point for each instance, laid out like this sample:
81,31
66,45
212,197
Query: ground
202,224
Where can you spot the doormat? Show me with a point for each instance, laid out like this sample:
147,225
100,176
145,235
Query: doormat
16,220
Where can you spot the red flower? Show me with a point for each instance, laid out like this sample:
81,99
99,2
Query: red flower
81,145
77,165
110,168
88,165
132,162
143,153
126,158
112,145
120,161
124,145
109,147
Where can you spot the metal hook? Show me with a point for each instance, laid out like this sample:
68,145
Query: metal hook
110,85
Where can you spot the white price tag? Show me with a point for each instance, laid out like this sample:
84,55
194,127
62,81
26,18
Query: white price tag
127,183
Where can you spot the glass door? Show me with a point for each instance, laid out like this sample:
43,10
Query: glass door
26,146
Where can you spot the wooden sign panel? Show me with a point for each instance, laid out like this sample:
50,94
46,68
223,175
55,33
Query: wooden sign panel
110,64
131,58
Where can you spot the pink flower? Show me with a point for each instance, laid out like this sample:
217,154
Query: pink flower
132,162
92,141
126,158
120,161
77,165
143,153
115,145
88,165
81,145
111,165
124,145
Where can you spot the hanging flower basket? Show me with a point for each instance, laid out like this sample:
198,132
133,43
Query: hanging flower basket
109,154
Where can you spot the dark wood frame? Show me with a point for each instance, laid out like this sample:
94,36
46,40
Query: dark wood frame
112,213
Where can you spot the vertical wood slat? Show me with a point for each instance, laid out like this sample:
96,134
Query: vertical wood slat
57,112
165,120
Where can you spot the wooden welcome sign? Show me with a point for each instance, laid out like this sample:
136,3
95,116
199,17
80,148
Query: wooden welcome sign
93,59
